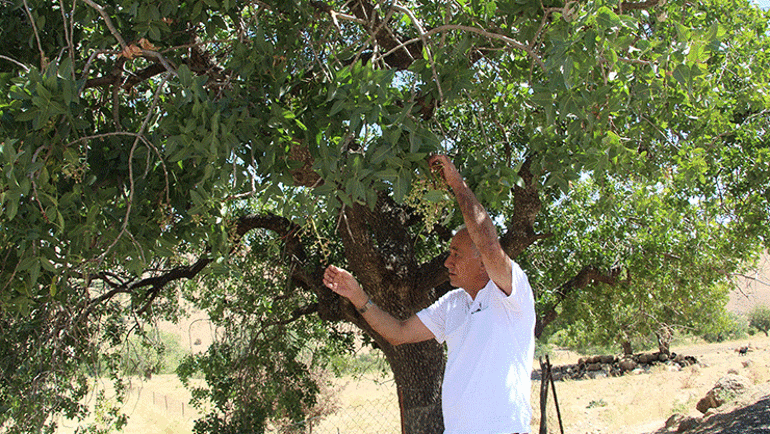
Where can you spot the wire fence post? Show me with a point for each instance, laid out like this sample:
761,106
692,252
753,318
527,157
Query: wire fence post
544,374
553,388
546,377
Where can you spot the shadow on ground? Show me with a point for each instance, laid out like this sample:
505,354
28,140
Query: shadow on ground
750,419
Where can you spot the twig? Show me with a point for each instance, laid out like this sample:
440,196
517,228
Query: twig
634,61
23,66
107,21
139,137
334,14
68,35
37,36
32,177
88,66
424,40
130,201
546,13
376,31
508,40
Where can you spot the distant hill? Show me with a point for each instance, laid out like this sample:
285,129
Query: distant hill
753,289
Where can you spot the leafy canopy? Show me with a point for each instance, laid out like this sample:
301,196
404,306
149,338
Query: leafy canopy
142,143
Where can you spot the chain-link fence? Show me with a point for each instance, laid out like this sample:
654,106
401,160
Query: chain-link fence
376,416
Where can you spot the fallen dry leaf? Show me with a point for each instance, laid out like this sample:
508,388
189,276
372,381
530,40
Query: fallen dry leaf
131,51
147,45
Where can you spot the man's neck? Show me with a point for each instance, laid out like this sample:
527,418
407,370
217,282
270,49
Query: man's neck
475,292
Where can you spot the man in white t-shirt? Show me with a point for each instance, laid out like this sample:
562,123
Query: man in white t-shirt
487,323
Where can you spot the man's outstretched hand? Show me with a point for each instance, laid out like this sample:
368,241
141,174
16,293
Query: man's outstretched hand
447,169
343,283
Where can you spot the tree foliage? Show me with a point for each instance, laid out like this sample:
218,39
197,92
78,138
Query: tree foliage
238,146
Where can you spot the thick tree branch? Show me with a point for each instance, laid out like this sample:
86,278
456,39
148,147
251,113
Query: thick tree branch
433,276
358,242
520,233
587,276
624,6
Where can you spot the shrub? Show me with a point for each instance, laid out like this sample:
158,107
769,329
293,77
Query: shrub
728,327
151,353
759,318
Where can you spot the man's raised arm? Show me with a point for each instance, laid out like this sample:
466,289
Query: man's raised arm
480,227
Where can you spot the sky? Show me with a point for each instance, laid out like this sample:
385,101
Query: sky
764,4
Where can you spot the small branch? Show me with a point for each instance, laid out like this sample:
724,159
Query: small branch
37,36
424,40
21,65
323,7
297,314
587,276
633,61
130,201
68,34
747,277
638,5
508,40
546,17
154,55
279,225
100,81
107,22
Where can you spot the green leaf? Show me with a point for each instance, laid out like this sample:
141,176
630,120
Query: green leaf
380,152
606,19
389,175
435,196
336,107
185,76
401,186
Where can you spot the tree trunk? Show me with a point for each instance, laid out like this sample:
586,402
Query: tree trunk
419,370
665,335
627,349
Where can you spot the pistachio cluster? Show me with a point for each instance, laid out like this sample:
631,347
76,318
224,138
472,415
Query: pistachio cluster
430,197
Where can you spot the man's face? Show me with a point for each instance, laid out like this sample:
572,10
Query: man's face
464,264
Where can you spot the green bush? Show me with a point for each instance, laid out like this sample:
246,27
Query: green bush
364,362
759,318
155,352
725,328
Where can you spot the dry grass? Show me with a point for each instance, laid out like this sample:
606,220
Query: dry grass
156,406
632,404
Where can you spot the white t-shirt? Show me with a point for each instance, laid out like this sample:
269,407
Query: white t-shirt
491,344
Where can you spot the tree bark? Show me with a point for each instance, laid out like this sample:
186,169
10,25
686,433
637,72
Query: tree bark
380,255
418,370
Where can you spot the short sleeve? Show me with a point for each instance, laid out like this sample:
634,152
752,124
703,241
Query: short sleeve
521,297
434,317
